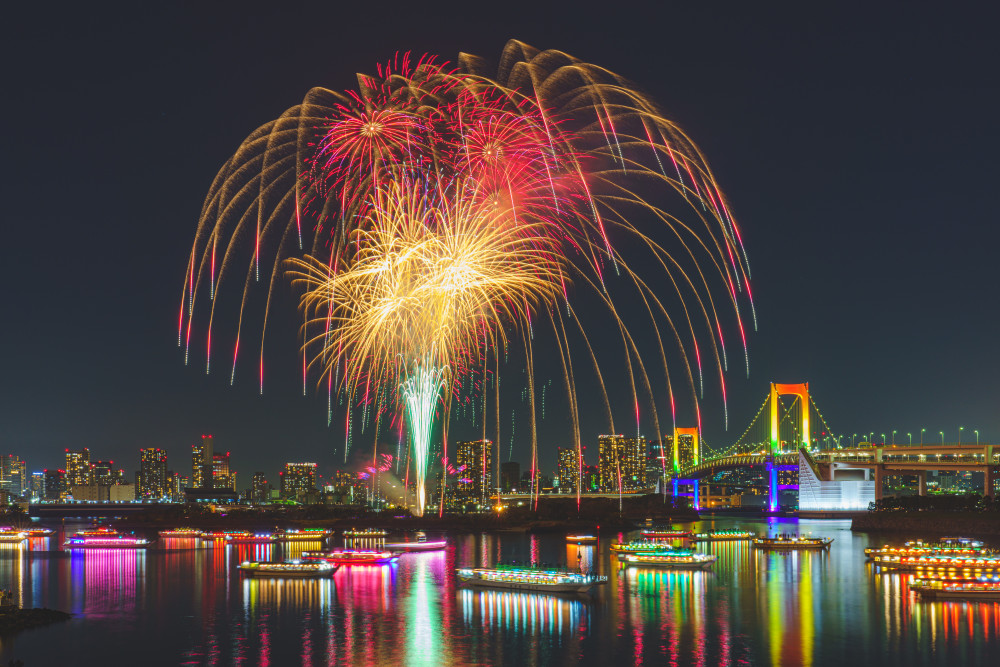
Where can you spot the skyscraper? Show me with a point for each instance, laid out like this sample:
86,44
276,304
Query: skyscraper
567,468
12,475
202,463
297,480
259,488
78,467
102,473
222,476
510,475
54,485
622,462
152,477
476,480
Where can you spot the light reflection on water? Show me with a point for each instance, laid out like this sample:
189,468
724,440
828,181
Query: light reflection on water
184,602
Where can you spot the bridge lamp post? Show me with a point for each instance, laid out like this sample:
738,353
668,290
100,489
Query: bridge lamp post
942,436
960,429
853,436
977,438
883,438
910,436
894,437
922,435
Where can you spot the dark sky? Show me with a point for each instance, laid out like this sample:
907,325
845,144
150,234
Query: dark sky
856,142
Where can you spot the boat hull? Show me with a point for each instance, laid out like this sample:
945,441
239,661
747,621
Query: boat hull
703,565
415,546
958,596
792,546
526,586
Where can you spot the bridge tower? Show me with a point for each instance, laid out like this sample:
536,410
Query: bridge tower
802,392
695,446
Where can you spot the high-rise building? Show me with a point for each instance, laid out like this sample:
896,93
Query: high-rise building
622,462
37,486
510,476
12,475
259,488
102,472
567,468
222,476
297,480
202,463
475,458
151,480
54,485
78,467
659,460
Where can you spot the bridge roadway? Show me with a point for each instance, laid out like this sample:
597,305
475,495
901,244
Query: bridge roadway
885,459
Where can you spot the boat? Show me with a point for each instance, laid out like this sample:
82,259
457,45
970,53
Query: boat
990,563
365,534
10,535
223,534
581,539
679,559
638,546
928,549
40,532
351,557
664,533
792,542
294,568
964,591
105,538
723,536
529,578
181,532
249,538
307,535
422,544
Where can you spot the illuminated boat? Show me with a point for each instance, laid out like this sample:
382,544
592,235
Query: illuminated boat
929,549
680,559
638,547
528,578
181,532
105,538
249,538
294,568
581,539
792,542
966,591
10,535
422,544
307,535
365,534
990,563
351,557
664,533
40,532
723,536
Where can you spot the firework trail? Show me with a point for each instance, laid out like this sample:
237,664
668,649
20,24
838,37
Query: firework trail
569,180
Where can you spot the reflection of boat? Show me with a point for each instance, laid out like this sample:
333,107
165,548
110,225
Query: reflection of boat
638,547
105,538
307,535
792,542
936,562
969,591
581,539
678,560
351,557
422,544
249,538
10,535
528,578
723,536
290,569
181,532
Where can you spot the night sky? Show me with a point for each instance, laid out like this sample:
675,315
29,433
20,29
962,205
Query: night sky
857,145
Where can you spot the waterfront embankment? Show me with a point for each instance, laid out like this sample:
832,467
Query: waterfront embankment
930,523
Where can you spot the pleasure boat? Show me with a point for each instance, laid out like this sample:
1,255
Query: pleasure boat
294,568
529,578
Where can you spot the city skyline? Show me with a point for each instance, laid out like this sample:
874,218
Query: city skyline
872,313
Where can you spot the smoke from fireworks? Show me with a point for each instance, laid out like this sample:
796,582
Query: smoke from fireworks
437,211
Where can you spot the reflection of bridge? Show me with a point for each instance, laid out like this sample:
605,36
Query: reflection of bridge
775,437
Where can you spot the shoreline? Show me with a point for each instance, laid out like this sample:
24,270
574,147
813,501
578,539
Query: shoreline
971,524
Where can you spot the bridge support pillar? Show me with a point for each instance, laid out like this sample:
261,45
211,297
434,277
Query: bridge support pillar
879,479
922,483
772,486
989,477
695,498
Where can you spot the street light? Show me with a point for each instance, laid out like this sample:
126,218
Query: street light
922,435
894,437
977,438
910,436
883,439
853,436
960,429
942,436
